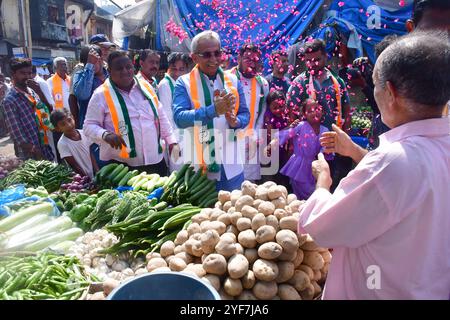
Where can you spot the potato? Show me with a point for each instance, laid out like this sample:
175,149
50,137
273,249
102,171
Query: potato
168,258
182,237
265,270
195,269
317,288
299,280
285,271
273,221
308,292
226,247
235,195
242,201
237,266
204,226
155,263
218,205
218,226
257,202
199,218
265,234
209,240
266,208
295,205
313,259
248,280
284,191
194,228
280,214
185,256
251,255
97,296
232,229
179,249
306,269
248,188
194,247
224,196
326,255
226,206
287,239
177,264
109,285
317,275
246,295
291,197
244,224
213,280
215,214
268,184
258,221
288,292
298,258
264,290
261,193
270,250
196,236
215,264
249,212
234,217
229,235
152,255
233,287
161,269
279,203
288,256
302,238
239,248
225,218
167,249
289,223
247,238
224,295
325,268
231,210
274,192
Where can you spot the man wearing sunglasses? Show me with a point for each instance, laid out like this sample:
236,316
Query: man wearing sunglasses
211,103
256,89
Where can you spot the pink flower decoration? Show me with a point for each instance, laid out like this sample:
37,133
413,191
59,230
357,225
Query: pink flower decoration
341,3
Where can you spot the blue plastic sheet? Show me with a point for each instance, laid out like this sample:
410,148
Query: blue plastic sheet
12,194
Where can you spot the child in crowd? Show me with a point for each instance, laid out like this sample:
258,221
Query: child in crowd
276,117
305,136
73,146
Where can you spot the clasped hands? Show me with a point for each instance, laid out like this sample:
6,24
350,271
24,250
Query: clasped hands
224,104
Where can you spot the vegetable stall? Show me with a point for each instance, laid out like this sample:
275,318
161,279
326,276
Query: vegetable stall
63,236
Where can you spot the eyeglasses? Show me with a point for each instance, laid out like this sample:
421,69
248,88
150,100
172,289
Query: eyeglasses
208,54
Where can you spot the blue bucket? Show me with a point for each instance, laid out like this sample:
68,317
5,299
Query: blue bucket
164,286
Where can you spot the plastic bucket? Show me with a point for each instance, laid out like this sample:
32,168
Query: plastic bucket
164,286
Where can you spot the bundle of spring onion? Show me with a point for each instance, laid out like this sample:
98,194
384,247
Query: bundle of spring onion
42,276
33,229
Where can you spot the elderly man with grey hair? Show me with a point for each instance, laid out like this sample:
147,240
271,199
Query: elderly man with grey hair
212,104
59,84
388,220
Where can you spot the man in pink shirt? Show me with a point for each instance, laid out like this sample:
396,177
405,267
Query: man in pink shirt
388,221
126,119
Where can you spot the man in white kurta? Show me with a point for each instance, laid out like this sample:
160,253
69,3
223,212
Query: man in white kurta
388,221
256,89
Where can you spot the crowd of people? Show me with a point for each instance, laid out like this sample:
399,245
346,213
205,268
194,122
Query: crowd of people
236,124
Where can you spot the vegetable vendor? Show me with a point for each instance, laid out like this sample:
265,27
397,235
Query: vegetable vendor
127,120
388,219
211,103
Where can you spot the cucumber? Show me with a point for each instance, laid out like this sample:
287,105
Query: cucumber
202,185
210,186
134,179
187,176
140,183
122,174
194,178
107,170
211,196
199,181
115,172
127,177
182,171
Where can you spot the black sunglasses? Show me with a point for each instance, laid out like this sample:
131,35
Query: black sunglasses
208,54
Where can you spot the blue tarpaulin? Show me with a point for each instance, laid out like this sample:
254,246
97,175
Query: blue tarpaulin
262,22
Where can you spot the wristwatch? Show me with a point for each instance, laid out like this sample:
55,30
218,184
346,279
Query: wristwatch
105,134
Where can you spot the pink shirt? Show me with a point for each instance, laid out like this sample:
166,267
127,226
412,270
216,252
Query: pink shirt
389,219
98,120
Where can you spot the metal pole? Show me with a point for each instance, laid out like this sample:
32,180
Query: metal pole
28,21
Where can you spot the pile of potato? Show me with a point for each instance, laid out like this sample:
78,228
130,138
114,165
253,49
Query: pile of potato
247,247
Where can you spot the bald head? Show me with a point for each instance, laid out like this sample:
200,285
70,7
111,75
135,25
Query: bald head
418,67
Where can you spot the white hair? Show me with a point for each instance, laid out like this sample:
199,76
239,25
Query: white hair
58,59
205,35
